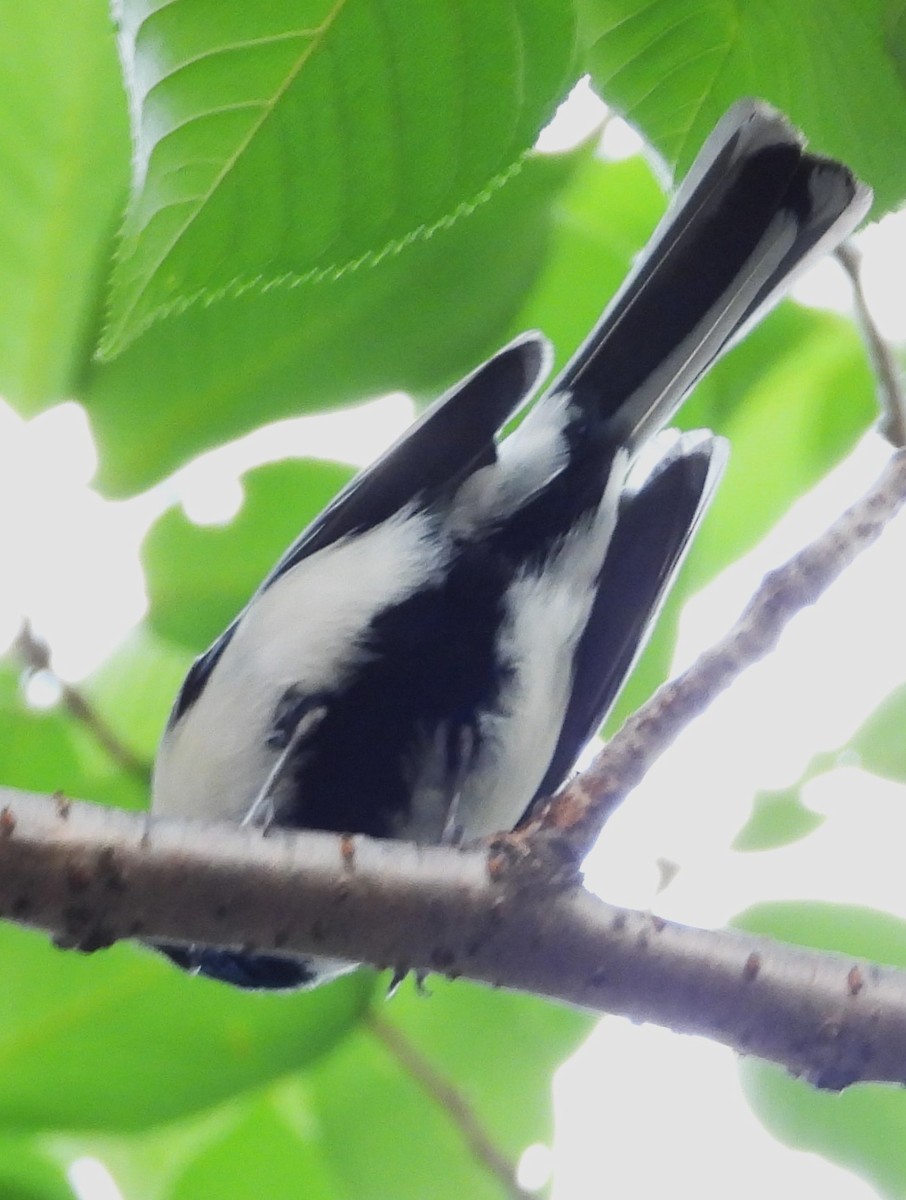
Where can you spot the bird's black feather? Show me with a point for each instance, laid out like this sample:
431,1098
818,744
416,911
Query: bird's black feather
654,528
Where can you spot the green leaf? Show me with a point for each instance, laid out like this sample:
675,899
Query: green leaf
385,1135
863,1128
271,1148
265,1142
123,1040
845,929
672,67
130,694
372,124
51,751
881,742
133,689
417,320
598,224
793,399
37,751
895,35
362,1121
777,819
200,577
64,169
27,1172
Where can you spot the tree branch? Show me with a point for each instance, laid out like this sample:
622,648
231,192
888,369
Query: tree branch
92,875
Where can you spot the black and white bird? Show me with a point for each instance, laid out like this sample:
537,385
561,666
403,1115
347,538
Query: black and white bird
436,648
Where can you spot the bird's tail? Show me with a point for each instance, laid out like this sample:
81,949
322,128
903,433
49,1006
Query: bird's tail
753,211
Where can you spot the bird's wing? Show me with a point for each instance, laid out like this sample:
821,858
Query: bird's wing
654,528
454,437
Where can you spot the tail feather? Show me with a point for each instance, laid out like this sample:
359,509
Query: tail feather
753,211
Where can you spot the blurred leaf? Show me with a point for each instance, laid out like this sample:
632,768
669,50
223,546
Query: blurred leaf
64,169
863,932
793,399
264,1142
672,67
864,1127
51,751
781,817
27,1172
879,746
416,321
777,819
881,741
371,125
37,751
384,1136
598,224
133,690
895,35
200,577
360,1123
131,694
272,1148
122,1040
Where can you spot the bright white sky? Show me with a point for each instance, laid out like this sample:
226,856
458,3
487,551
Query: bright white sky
71,566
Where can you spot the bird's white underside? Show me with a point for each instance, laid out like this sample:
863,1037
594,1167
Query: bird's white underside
336,592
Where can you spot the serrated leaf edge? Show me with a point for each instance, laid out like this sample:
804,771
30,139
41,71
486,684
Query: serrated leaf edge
114,341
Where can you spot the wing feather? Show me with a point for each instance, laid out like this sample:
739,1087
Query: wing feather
654,527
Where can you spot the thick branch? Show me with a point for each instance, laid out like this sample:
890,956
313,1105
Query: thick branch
580,811
92,875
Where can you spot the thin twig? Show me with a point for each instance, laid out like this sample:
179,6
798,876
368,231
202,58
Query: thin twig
453,1103
886,367
35,654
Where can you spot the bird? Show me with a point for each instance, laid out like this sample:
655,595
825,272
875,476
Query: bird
432,653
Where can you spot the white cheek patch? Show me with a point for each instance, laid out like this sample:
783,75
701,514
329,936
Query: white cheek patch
306,630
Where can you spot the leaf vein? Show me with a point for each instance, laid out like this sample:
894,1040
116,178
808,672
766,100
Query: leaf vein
230,161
